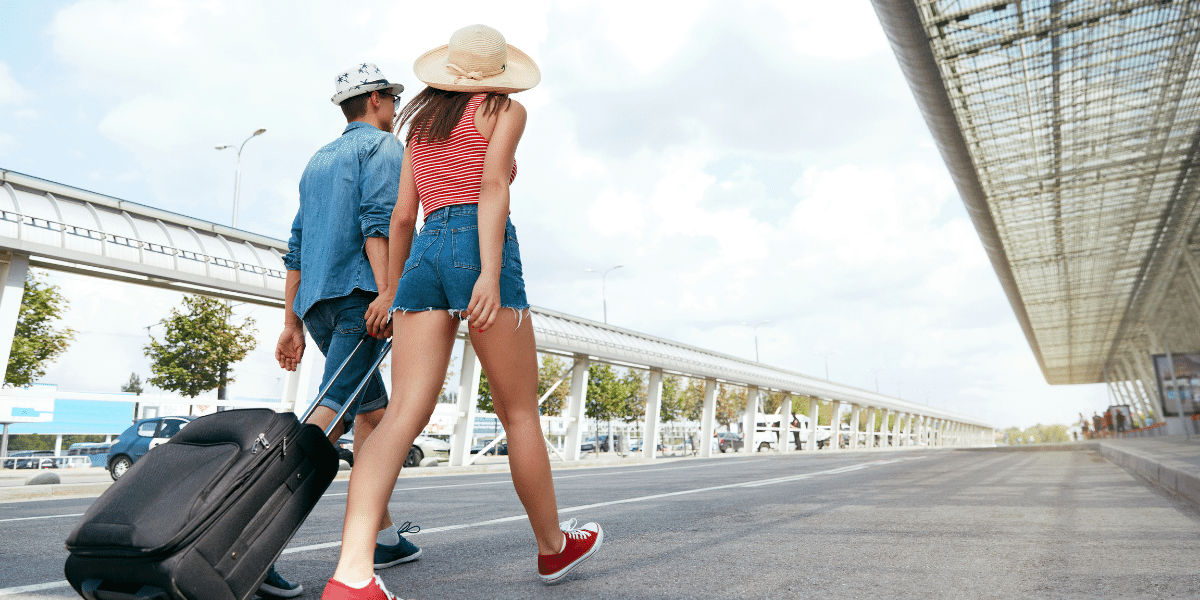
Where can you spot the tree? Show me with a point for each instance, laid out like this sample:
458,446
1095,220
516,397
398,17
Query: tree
771,402
484,403
605,394
632,404
198,347
552,369
134,386
691,400
730,404
672,399
36,343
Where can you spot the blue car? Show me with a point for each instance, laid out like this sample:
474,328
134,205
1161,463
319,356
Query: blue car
139,439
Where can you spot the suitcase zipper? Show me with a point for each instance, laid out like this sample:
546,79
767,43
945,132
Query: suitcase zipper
262,439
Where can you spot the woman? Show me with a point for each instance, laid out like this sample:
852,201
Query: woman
464,264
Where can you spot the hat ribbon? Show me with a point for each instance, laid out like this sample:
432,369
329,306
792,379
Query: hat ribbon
461,73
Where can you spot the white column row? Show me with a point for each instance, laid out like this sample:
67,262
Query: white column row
885,428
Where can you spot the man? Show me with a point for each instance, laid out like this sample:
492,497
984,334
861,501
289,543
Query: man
336,266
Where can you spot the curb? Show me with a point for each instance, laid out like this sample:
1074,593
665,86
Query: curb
1176,477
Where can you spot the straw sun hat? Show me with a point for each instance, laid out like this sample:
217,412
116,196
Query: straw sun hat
477,60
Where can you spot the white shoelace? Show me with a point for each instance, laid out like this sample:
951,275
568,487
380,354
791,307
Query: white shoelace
571,529
577,534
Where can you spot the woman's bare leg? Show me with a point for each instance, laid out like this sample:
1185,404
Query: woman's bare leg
509,357
420,354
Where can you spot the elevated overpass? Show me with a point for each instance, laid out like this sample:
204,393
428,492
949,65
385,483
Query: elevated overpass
58,227
1072,131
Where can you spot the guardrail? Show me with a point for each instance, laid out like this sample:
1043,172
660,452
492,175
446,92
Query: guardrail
48,462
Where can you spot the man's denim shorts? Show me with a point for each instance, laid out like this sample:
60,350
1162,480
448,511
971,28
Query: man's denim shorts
337,325
443,264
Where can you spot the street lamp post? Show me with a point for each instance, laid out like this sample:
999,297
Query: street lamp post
237,181
826,355
876,372
603,288
756,338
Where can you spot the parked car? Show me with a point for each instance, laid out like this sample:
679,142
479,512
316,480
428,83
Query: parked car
136,441
588,445
618,439
499,449
97,452
728,441
30,459
345,448
422,447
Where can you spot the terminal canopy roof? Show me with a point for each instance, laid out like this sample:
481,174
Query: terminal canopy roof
1071,128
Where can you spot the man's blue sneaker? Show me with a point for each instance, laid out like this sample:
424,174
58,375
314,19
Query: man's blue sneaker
278,587
405,551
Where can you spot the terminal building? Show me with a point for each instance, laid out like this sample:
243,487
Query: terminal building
1071,129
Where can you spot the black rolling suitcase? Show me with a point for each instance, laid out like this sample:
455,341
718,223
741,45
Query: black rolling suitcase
204,516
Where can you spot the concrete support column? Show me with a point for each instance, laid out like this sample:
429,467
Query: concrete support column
708,420
653,410
871,428
576,407
885,430
896,417
921,430
785,423
835,426
814,407
4,441
468,399
58,445
750,419
855,412
13,269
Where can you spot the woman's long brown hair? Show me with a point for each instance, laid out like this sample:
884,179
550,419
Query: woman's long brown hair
434,113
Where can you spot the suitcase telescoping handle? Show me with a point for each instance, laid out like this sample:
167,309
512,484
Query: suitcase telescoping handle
357,391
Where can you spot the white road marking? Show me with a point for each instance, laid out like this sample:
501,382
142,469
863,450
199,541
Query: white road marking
556,478
759,483
33,588
42,517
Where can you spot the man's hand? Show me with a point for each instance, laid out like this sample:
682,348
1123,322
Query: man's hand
290,348
378,314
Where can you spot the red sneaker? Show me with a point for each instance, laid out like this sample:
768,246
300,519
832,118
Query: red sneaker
336,590
580,544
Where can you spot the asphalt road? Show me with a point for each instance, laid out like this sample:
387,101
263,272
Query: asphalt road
915,524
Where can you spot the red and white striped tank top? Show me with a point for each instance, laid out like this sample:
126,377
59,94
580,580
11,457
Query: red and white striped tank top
451,171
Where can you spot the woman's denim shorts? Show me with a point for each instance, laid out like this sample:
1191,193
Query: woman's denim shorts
443,264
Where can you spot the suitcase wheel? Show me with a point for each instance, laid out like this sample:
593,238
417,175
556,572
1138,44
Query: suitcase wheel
91,591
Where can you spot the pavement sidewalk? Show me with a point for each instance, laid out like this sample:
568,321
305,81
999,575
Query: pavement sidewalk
1170,462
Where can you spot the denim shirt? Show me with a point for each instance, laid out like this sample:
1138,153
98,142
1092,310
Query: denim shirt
346,196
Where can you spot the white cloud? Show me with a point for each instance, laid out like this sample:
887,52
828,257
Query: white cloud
11,92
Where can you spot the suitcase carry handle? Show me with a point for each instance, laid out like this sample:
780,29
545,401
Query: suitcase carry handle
357,391
90,590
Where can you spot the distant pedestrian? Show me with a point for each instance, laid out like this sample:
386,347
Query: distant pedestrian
796,433
1108,422
1097,423
1083,426
1120,421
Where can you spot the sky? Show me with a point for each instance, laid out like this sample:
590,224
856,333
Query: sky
744,161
